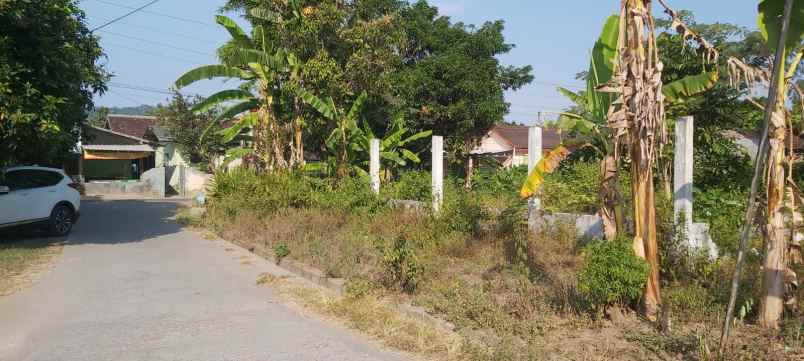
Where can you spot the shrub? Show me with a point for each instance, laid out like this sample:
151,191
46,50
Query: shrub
410,185
572,188
612,273
281,251
402,268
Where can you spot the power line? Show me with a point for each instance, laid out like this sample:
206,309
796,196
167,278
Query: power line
162,32
124,16
193,21
159,43
160,55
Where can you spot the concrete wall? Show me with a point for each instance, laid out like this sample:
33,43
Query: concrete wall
168,155
134,188
588,227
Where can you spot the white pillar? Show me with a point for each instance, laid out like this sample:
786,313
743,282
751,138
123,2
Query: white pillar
438,172
682,175
534,156
534,147
374,165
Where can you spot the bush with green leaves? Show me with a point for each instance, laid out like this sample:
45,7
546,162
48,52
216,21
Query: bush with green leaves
402,268
410,185
572,188
612,274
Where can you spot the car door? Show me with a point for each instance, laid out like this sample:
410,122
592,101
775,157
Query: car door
15,205
42,192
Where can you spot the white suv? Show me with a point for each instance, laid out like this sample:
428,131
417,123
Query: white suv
38,196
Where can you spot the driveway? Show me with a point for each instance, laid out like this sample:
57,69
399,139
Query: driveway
132,285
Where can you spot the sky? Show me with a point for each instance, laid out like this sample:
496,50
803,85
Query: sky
148,50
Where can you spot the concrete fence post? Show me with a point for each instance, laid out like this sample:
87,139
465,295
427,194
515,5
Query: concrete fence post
534,156
438,172
682,176
374,165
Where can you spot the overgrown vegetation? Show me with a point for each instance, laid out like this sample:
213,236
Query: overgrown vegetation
511,294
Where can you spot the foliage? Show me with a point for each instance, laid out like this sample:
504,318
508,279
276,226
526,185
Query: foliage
612,273
281,251
342,135
499,181
572,188
410,185
452,77
186,128
402,267
48,74
546,165
395,149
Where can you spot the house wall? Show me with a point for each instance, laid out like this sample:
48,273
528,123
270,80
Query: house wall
492,144
107,169
168,155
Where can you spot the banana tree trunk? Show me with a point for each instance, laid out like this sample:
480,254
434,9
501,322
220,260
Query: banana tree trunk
343,158
608,196
776,245
639,76
645,242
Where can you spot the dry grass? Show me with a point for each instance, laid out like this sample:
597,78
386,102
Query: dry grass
373,316
22,262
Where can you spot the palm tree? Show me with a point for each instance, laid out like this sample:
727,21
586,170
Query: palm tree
253,62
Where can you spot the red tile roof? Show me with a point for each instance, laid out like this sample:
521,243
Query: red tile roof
133,125
517,135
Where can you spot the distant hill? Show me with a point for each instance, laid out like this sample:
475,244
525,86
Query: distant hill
138,110
95,119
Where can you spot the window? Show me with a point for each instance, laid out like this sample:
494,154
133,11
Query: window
31,178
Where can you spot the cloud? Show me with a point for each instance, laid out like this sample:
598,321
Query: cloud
449,7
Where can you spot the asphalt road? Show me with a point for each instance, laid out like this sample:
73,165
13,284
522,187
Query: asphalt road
132,285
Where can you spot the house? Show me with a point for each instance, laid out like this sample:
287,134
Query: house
508,144
748,140
125,147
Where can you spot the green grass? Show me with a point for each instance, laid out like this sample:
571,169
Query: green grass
22,261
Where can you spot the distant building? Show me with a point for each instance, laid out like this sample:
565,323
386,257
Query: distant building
508,144
126,147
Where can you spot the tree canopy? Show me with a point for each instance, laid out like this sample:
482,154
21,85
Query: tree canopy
48,73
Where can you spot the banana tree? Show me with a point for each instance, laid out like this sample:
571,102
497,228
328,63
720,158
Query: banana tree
782,26
590,124
637,112
252,61
345,125
393,150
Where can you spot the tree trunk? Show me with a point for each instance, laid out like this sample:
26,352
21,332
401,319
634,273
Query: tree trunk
776,247
645,242
608,196
343,158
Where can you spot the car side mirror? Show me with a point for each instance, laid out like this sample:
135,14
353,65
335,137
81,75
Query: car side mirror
4,190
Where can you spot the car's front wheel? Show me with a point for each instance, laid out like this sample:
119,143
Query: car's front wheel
61,220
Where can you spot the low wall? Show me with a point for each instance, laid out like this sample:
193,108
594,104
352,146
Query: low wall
588,227
98,188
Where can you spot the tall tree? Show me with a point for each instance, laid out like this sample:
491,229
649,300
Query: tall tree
187,129
48,74
452,76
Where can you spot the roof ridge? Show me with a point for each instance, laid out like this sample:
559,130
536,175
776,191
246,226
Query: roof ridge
131,116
